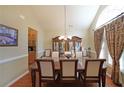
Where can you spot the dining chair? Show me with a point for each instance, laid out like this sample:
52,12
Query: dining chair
47,52
92,71
73,53
79,56
46,71
55,56
68,70
67,52
93,54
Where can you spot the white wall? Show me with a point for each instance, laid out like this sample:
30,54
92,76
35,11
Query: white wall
92,27
12,69
54,33
10,16
53,19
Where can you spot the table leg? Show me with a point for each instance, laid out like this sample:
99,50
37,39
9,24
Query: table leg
33,77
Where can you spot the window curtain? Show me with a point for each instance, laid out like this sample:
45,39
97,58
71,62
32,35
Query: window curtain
98,37
115,43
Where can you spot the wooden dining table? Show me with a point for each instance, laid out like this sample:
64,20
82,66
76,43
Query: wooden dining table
80,69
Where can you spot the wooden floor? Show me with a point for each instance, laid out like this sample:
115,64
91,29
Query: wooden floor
26,82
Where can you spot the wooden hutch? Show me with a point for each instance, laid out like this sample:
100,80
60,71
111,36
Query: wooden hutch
67,45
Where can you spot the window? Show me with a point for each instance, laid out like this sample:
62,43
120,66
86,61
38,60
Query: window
108,13
122,61
104,51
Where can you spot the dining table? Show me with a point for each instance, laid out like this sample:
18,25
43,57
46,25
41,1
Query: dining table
80,69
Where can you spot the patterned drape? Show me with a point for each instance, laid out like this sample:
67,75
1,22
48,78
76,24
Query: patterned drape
98,37
115,42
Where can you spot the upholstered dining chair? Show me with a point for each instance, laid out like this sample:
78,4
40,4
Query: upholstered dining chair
67,52
55,56
79,56
47,52
73,53
93,70
68,70
46,71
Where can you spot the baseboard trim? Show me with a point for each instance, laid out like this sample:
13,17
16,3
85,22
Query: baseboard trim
16,79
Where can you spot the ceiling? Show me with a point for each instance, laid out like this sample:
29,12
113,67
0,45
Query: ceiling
51,17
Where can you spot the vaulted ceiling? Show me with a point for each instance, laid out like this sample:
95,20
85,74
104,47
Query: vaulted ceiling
51,17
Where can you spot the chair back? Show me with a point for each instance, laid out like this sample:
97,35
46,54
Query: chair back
73,53
93,67
93,54
67,52
46,68
47,52
55,56
79,56
68,68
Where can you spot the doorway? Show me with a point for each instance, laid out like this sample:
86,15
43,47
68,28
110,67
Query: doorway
32,45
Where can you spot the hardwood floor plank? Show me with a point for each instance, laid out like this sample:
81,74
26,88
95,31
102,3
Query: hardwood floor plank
26,82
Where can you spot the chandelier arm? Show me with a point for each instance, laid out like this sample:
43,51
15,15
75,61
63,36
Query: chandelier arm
65,19
65,37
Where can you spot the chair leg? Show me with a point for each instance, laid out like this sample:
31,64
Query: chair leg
79,76
84,83
99,83
40,83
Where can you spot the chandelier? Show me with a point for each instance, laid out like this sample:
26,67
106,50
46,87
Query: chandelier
65,37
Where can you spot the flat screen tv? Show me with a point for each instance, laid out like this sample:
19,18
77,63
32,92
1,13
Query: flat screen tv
8,36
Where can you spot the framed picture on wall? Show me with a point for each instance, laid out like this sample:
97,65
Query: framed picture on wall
8,36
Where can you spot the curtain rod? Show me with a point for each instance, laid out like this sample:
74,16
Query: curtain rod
110,20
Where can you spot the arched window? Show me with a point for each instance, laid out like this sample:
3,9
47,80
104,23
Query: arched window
107,14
